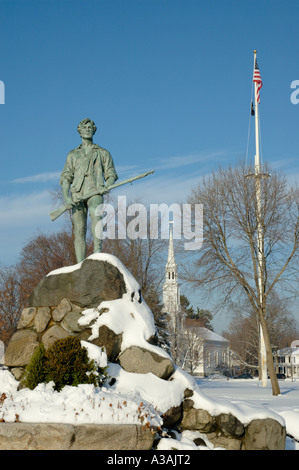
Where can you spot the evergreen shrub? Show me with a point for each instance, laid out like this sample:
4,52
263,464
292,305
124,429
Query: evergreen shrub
35,370
66,362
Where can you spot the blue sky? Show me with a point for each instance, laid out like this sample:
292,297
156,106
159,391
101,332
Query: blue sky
167,82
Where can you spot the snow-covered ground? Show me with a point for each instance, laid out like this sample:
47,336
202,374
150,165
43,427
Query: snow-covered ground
129,402
253,393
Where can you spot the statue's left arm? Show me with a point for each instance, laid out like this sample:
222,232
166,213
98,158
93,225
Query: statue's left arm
110,174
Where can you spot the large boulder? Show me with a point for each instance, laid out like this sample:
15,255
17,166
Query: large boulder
141,361
60,436
20,348
110,341
197,419
265,434
54,333
230,425
87,284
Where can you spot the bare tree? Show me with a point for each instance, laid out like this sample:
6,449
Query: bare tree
193,350
243,330
244,338
143,253
11,295
228,261
175,327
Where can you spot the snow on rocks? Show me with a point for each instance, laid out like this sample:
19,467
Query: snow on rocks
81,303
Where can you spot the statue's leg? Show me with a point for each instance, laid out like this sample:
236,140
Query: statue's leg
79,221
94,207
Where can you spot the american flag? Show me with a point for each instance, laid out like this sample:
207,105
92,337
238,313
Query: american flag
258,80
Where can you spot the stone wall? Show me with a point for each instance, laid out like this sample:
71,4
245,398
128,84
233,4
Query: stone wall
56,436
222,431
43,324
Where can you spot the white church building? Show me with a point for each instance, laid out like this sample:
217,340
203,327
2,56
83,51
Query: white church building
204,352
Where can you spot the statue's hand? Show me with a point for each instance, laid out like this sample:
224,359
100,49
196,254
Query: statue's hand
109,181
68,202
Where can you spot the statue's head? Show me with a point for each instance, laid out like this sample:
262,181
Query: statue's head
83,123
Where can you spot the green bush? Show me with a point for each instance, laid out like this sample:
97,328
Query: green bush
66,362
35,370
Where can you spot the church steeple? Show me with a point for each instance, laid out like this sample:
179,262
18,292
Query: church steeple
171,289
171,267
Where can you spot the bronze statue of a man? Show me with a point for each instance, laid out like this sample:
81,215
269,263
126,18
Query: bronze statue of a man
88,170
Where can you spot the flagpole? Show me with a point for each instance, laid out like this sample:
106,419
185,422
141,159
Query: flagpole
258,176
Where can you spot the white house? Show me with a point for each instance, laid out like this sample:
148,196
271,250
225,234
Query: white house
286,360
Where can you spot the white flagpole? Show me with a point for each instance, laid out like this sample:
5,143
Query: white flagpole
258,177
